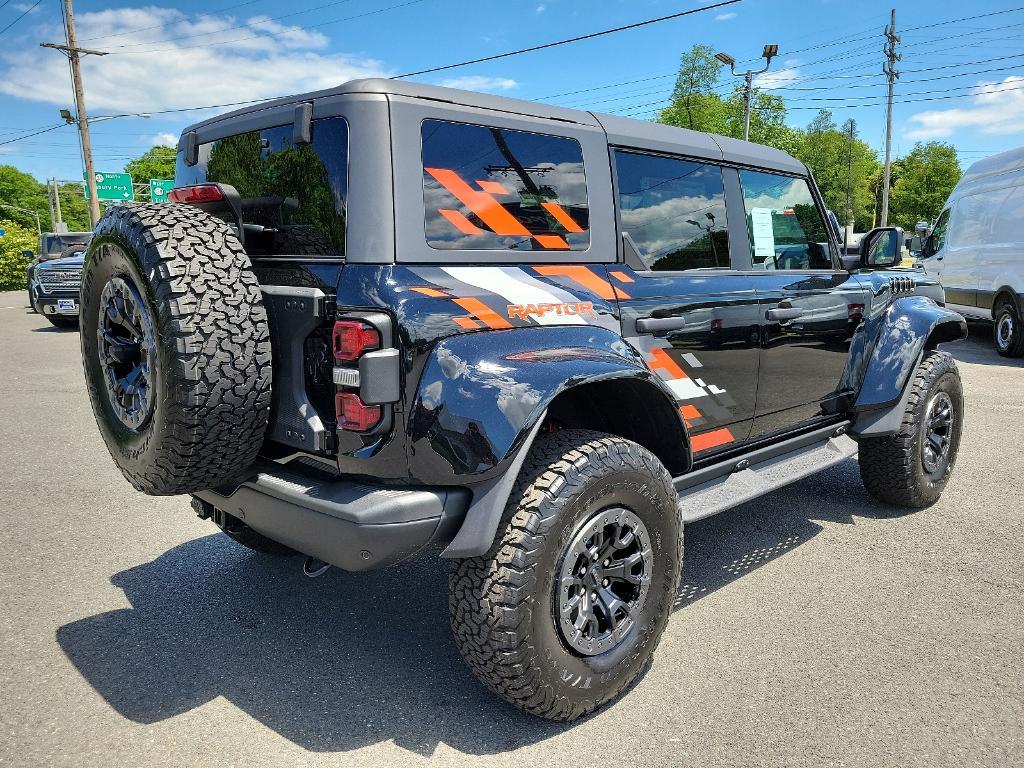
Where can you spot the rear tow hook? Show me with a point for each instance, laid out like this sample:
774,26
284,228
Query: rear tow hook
314,568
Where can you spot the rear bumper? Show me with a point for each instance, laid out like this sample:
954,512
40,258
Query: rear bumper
353,525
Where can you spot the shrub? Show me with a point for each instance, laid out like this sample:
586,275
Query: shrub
12,264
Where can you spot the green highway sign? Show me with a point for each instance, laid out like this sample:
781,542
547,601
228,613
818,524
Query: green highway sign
158,189
113,186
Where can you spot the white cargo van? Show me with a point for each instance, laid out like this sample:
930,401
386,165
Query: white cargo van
976,248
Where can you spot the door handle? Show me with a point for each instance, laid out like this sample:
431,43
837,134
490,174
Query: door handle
783,314
657,324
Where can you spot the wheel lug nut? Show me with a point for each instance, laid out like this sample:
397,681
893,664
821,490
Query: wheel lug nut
607,563
595,555
593,595
604,583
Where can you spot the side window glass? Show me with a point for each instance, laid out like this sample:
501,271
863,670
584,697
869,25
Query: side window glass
939,231
487,188
674,210
292,196
785,226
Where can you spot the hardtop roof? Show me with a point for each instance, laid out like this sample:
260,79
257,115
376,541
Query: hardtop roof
621,131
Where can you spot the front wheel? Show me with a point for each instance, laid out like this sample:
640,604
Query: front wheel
911,467
566,608
1007,332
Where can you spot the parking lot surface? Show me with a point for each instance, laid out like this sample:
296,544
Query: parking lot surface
814,626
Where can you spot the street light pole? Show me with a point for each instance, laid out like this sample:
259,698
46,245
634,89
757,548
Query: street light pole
770,51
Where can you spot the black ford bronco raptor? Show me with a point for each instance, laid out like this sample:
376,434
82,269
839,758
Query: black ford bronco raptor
389,319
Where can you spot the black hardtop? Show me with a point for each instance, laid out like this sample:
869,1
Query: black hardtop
621,131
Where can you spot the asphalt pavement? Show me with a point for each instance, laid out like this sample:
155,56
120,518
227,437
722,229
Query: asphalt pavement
814,627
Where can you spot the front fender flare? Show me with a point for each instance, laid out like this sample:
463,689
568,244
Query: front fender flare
902,333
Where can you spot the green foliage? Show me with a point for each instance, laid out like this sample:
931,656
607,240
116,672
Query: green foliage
21,189
156,163
16,239
827,152
923,180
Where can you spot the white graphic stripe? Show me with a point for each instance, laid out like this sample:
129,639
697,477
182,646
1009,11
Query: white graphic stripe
514,291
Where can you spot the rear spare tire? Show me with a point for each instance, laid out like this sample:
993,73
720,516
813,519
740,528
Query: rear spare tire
176,347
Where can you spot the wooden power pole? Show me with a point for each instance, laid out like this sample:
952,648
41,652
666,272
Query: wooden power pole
73,52
889,70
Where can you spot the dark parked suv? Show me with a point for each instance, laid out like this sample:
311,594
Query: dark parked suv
386,320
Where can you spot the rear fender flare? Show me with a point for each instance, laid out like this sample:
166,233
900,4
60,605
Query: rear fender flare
481,401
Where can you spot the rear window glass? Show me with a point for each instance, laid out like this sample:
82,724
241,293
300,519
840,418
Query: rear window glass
293,197
488,188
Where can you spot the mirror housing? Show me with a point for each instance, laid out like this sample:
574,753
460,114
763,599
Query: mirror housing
851,262
881,248
27,254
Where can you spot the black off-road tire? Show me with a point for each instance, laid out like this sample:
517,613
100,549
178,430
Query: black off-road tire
502,604
62,321
211,358
1007,331
892,467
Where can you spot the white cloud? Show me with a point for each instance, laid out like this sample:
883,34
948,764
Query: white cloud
481,83
26,7
540,8
996,108
725,16
164,140
259,61
780,78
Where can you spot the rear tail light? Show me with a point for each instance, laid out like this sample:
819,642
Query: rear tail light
199,193
352,338
353,414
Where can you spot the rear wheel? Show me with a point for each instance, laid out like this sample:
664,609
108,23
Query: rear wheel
1007,332
176,347
565,610
911,467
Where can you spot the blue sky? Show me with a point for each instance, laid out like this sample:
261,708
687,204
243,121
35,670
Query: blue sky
190,53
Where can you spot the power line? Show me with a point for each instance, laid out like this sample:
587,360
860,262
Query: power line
576,39
270,34
26,13
124,32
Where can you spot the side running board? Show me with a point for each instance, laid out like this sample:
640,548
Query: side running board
764,471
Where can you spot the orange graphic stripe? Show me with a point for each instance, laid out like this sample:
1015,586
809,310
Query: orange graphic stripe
622,277
712,439
582,275
662,362
490,211
460,222
466,322
554,242
431,292
561,216
689,412
494,187
482,312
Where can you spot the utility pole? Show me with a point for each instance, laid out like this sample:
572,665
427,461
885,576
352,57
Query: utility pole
56,204
49,200
851,123
73,52
889,70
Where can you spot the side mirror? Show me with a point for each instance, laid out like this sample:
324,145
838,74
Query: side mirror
881,248
27,254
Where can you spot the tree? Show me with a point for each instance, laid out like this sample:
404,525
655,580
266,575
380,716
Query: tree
833,158
156,163
17,238
923,180
21,189
698,75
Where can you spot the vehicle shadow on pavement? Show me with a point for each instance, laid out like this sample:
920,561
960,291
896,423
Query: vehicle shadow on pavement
349,660
979,349
730,545
335,664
